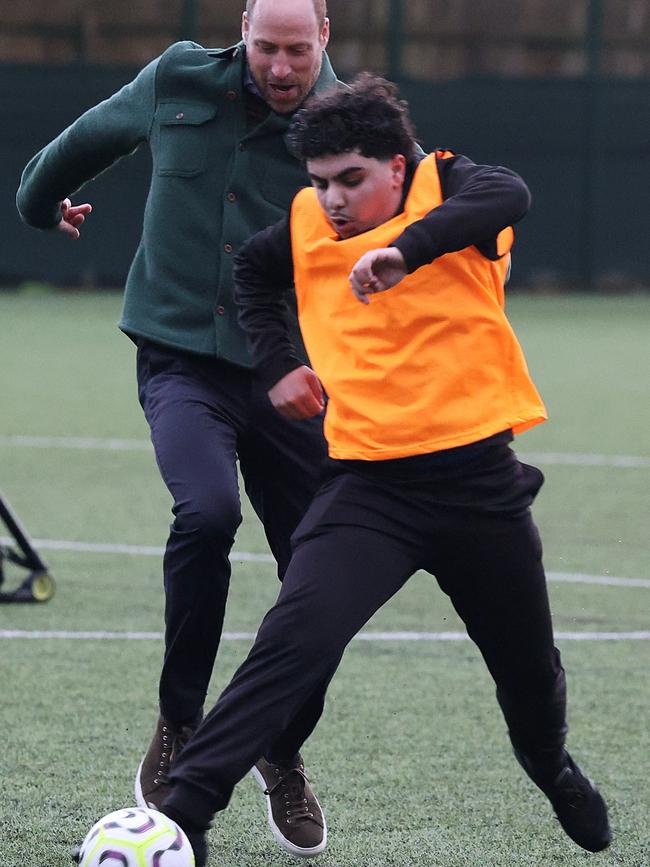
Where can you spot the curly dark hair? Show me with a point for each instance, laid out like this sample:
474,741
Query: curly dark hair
366,116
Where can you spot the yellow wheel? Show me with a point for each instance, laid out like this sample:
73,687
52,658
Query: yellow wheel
42,586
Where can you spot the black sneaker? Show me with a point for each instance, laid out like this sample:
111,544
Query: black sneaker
578,804
151,780
294,814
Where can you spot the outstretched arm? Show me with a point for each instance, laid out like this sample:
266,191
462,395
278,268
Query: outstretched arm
479,202
96,140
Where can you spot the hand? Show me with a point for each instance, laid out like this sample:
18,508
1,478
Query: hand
298,395
376,271
72,217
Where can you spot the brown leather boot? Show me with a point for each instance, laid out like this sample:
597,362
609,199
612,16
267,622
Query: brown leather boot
151,780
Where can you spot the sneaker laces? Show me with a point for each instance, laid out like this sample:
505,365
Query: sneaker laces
173,744
293,784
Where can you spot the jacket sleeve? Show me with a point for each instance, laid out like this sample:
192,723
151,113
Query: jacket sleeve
263,268
479,202
106,132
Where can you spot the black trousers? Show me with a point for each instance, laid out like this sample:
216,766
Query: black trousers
204,415
358,544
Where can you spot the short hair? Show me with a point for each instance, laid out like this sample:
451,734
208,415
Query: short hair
320,8
366,116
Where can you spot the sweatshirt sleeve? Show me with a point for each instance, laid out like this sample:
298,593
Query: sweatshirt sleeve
106,132
263,268
479,202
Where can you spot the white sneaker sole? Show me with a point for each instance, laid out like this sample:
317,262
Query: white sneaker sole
282,841
139,797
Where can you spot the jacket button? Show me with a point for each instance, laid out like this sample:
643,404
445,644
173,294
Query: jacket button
231,197
227,248
231,94
242,146
221,310
180,115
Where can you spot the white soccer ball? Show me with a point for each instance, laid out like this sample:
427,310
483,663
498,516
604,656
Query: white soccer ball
136,837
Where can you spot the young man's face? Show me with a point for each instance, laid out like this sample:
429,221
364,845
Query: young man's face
284,49
357,193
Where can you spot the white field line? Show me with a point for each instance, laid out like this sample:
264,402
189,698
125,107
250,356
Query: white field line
607,580
133,550
107,444
362,636
249,556
576,459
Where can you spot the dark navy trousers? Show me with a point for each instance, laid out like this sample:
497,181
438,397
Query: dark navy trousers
360,541
205,416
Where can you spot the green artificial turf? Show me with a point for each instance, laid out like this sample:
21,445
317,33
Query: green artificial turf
411,760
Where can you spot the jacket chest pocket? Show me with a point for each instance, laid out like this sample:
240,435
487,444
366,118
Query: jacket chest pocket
183,138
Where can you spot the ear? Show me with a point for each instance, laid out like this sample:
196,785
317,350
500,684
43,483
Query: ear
324,37
245,27
398,168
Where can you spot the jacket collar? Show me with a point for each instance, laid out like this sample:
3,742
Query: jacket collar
327,77
230,53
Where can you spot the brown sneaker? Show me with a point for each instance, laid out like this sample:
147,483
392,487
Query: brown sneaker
294,814
151,784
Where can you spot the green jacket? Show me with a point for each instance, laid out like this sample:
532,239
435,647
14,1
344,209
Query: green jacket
214,184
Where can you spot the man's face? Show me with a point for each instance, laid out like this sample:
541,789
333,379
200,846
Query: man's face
284,49
357,193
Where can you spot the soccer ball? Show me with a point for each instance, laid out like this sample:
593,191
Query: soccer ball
136,837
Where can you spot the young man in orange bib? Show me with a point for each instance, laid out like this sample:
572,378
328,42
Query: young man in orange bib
399,262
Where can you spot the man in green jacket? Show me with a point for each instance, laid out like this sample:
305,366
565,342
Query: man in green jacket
215,122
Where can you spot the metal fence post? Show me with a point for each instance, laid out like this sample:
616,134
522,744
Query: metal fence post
188,25
395,40
593,144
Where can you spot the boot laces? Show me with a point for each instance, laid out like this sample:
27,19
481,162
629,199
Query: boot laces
173,742
292,786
